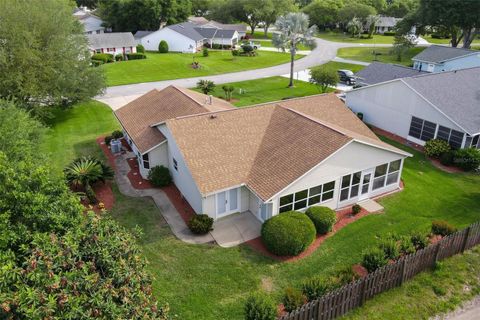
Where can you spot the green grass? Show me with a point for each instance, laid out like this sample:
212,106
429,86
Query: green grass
341,37
435,41
268,44
340,65
209,282
178,65
259,34
366,54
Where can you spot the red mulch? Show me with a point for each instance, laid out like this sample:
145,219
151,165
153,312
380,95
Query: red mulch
436,163
435,238
359,270
106,151
344,217
135,177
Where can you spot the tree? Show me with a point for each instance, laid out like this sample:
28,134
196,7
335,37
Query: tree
370,23
355,10
206,86
355,27
200,7
293,29
324,77
400,8
228,91
272,9
91,4
323,13
42,64
401,45
249,11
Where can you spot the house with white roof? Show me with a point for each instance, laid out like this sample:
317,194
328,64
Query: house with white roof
264,159
444,105
442,58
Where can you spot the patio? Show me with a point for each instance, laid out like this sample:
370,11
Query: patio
236,229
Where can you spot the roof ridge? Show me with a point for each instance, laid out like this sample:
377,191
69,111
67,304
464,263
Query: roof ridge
187,95
440,73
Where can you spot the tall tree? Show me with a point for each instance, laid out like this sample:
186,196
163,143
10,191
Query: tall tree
293,29
323,13
358,10
42,63
273,9
200,7
400,8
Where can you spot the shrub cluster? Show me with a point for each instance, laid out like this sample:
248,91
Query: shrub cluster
136,56
447,158
200,224
316,287
468,159
373,259
418,240
160,176
119,57
260,307
104,57
435,148
117,134
289,233
140,48
163,46
323,218
356,209
389,33
205,52
292,299
443,228
390,249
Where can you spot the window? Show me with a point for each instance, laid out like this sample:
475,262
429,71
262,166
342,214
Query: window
146,161
475,143
453,137
175,164
350,186
386,174
422,129
308,197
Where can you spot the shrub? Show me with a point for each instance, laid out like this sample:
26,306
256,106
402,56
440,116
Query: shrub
343,276
419,240
216,46
447,158
104,57
260,307
159,176
235,53
200,224
108,139
390,249
356,209
316,287
205,52
119,57
96,63
435,147
140,48
117,134
136,56
247,48
406,246
323,218
289,233
443,228
467,159
163,46
292,299
373,259
389,33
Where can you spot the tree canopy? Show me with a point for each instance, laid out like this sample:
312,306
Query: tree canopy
43,55
323,13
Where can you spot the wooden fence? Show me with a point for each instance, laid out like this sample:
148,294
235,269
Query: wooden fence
354,294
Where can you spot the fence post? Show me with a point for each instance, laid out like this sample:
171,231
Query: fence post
363,291
437,251
404,270
465,239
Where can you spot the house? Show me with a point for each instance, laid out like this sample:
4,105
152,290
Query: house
386,24
265,159
91,23
186,37
377,72
201,21
113,43
442,58
444,105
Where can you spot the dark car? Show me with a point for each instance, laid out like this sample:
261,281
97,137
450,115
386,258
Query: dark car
346,76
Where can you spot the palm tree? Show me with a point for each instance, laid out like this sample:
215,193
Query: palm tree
293,29
206,86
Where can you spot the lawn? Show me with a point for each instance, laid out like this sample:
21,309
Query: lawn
268,44
383,55
345,37
178,65
259,34
209,282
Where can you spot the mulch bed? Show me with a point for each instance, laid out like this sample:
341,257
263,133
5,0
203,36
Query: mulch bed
436,163
182,206
135,177
106,151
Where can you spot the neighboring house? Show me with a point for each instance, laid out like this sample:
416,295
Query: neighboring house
442,58
443,105
113,43
201,21
385,24
91,23
186,37
265,159
377,72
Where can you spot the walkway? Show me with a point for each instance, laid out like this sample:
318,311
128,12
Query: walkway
468,311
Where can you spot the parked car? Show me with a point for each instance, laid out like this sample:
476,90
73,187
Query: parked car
254,45
347,76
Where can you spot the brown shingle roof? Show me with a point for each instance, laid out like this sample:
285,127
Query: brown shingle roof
266,147
155,107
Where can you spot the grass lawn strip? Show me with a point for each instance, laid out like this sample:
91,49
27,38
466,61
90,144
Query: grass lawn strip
366,54
345,37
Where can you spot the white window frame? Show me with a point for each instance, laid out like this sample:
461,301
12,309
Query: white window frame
350,187
309,196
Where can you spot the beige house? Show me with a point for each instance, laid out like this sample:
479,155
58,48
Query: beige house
266,159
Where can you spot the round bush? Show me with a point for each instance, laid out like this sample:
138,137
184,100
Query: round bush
435,147
163,46
323,218
390,248
108,139
200,224
140,48
374,259
467,159
356,209
260,307
160,176
117,134
289,233
119,57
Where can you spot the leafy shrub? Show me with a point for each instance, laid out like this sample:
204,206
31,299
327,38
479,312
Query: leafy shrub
247,48
289,233
216,46
447,158
322,217
96,63
140,48
344,275
390,249
373,259
406,246
163,46
104,57
200,224
108,139
419,240
117,134
260,307
235,53
316,287
467,159
443,228
356,209
292,299
136,56
435,147
160,176
389,33
205,52
119,57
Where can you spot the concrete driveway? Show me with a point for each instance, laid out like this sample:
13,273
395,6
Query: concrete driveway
236,229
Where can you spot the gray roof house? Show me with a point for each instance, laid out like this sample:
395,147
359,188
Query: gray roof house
385,24
443,105
442,58
201,21
114,43
377,72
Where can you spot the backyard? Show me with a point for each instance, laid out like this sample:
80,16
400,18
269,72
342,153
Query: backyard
209,282
382,54
178,65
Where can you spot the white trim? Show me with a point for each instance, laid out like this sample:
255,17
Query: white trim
443,61
224,189
403,153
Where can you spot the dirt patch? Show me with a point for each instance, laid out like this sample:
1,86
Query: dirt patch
267,284
359,270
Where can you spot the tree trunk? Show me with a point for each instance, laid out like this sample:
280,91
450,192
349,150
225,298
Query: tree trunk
265,29
292,62
252,27
468,36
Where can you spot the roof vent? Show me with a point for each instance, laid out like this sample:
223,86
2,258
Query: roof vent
210,99
213,116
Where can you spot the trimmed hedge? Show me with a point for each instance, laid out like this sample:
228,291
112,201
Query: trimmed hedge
140,48
200,224
260,307
289,233
104,57
443,228
389,33
163,47
322,217
435,147
136,56
159,176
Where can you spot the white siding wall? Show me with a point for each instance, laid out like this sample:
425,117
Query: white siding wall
390,106
209,205
176,41
455,64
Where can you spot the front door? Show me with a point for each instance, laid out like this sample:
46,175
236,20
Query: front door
367,177
227,202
